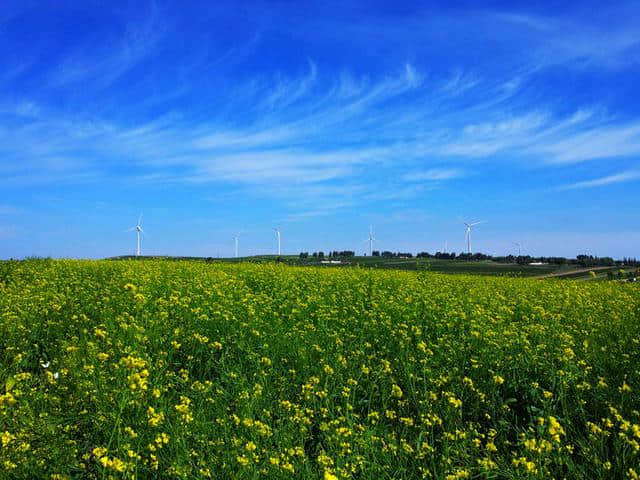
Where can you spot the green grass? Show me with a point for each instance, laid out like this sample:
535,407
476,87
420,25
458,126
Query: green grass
485,267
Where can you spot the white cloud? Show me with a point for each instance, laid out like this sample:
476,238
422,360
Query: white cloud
594,143
286,91
414,79
460,82
574,42
433,174
319,130
606,180
101,60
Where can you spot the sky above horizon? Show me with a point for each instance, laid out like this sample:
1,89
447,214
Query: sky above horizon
321,119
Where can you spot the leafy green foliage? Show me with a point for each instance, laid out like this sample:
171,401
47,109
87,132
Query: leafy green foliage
163,369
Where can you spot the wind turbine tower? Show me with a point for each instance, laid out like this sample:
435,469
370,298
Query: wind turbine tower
278,235
469,227
139,232
518,245
236,237
370,239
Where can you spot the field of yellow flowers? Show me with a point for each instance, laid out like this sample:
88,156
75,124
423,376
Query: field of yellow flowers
158,369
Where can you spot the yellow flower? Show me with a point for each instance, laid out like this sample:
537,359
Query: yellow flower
6,438
183,409
99,451
396,391
103,356
555,429
154,419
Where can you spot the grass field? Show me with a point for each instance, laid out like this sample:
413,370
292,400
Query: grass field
486,267
176,369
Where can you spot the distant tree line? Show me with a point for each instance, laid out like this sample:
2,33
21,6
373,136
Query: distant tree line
331,254
580,260
342,253
388,254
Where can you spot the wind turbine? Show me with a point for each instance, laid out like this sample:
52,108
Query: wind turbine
235,239
278,235
469,226
370,239
517,245
139,232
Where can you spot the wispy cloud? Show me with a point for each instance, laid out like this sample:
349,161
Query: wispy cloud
393,133
460,81
102,62
593,143
286,91
579,137
572,42
606,180
433,175
283,146
318,129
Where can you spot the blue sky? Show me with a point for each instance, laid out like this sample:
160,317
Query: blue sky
320,119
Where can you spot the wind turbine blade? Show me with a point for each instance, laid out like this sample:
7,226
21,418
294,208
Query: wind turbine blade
478,223
140,219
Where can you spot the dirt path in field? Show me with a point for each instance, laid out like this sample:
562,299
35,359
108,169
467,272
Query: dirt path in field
571,272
